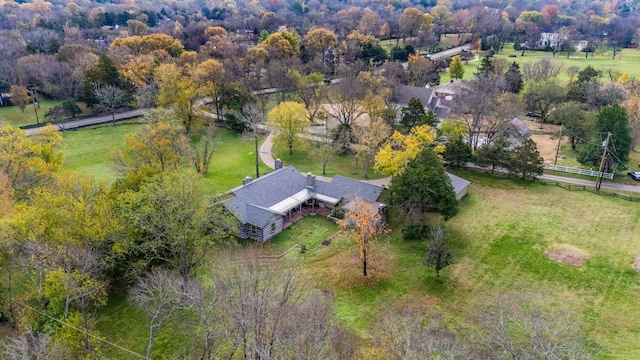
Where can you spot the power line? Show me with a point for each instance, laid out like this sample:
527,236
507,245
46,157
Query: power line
84,332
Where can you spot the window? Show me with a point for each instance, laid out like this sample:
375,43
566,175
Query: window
273,227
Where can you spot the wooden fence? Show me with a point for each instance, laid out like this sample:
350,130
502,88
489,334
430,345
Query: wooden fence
590,189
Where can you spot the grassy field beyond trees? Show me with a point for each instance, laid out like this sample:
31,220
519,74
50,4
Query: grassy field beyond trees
14,117
627,62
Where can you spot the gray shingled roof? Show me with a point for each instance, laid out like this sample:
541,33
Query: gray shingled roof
341,187
406,92
251,202
426,97
521,127
458,183
264,192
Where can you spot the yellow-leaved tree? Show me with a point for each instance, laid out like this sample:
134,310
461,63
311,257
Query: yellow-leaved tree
400,149
290,118
365,224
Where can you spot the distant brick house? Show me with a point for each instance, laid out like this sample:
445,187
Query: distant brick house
262,206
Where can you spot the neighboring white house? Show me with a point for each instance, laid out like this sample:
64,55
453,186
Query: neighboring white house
553,39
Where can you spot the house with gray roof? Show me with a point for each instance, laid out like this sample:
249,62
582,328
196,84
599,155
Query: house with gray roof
516,132
427,97
263,205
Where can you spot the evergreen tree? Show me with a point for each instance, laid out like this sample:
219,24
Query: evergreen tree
526,160
485,67
413,113
424,185
457,152
610,119
494,154
513,78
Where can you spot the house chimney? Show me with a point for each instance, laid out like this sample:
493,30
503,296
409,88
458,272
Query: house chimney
311,180
247,180
278,164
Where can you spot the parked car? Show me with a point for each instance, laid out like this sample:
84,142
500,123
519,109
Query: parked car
533,115
635,175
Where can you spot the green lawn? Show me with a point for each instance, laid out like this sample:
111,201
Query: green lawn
233,160
304,160
628,62
311,231
499,246
89,150
14,117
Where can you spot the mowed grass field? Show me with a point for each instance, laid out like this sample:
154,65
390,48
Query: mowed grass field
626,62
499,240
90,150
306,161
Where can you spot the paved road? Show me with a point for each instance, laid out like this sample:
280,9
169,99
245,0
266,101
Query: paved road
96,120
450,52
592,184
267,158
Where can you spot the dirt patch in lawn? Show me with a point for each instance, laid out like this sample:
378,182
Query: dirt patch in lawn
567,254
546,139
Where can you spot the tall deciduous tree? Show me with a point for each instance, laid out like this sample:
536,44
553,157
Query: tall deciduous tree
265,301
290,119
475,103
180,89
438,249
410,22
579,123
159,294
370,138
424,185
171,223
254,121
524,325
456,68
409,331
19,96
365,225
541,96
400,149
159,145
311,91
632,105
28,162
110,98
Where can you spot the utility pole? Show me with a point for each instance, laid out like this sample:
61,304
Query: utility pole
602,162
555,162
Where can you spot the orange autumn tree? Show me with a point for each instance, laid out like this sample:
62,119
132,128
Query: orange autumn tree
365,224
